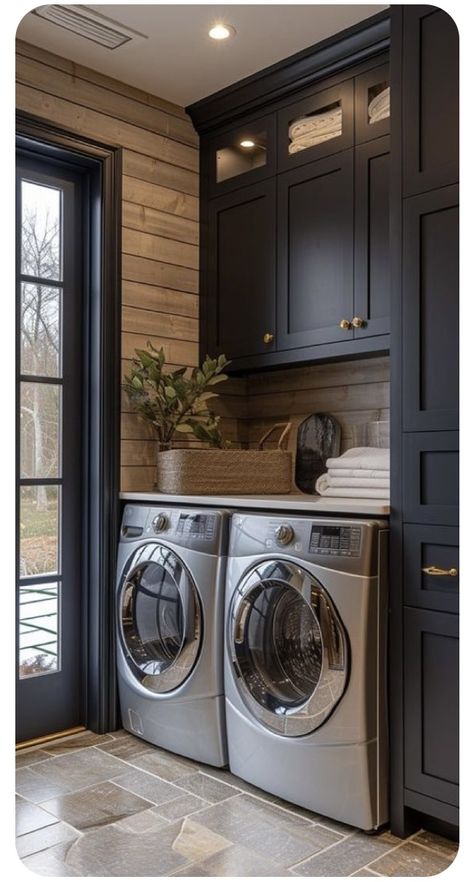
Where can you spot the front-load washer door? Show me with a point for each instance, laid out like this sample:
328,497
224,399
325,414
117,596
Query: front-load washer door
160,618
288,647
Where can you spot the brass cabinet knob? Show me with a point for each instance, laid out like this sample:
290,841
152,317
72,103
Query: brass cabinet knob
439,571
358,322
268,337
345,325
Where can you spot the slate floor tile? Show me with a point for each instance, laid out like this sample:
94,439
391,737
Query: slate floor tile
96,806
37,788
234,861
125,746
50,862
82,768
206,787
43,838
29,757
196,842
181,806
165,765
148,786
439,843
345,857
142,822
365,873
76,742
30,817
411,859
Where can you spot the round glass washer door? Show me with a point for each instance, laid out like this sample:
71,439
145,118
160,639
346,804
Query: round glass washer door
160,619
288,647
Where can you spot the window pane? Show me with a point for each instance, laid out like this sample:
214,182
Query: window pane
40,407
40,330
39,538
41,231
38,629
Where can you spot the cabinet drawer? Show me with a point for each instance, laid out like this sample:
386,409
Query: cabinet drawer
431,674
431,478
372,104
427,546
430,99
430,301
316,126
242,156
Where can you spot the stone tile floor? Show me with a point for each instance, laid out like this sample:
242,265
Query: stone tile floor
112,805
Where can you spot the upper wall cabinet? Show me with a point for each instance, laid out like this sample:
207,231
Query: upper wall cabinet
242,156
372,104
316,126
430,99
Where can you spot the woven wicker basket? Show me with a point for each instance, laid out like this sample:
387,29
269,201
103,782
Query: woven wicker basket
216,472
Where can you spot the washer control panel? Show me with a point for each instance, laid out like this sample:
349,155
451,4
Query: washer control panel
335,540
200,526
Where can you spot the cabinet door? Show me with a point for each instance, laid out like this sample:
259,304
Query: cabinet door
316,126
372,240
430,301
430,99
242,156
315,252
372,104
431,478
241,271
432,704
431,567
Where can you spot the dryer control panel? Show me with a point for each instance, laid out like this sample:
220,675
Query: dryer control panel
335,540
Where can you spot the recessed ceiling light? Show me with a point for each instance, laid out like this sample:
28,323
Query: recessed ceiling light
247,143
222,31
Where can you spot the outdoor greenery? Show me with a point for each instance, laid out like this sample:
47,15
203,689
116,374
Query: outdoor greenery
176,402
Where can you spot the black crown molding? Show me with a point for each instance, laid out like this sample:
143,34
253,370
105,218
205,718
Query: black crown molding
351,46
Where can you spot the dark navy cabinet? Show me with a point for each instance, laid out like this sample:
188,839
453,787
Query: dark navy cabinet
425,420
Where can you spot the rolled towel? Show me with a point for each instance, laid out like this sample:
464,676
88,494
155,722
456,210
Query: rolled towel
359,473
358,482
361,458
380,102
323,488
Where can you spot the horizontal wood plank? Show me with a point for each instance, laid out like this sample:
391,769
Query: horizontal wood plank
105,128
160,299
27,50
159,324
325,400
157,223
155,171
160,198
82,92
163,275
136,479
176,351
159,248
345,373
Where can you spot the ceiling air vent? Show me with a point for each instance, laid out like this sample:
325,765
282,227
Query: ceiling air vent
84,23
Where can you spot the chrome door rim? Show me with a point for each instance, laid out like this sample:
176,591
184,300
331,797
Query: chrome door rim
184,662
312,713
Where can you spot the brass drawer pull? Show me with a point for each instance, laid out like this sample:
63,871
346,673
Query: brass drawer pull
345,325
358,322
438,571
268,338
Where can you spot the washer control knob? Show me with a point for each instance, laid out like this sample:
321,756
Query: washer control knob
160,523
284,534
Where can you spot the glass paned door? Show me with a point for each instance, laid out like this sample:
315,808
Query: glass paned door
49,431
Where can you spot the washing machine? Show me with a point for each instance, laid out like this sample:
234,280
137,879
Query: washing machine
170,606
305,668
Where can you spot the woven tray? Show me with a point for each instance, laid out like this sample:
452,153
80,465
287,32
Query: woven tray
216,472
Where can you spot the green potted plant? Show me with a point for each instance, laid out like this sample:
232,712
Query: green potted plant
177,404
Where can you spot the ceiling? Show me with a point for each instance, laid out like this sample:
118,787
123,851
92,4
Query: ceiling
171,54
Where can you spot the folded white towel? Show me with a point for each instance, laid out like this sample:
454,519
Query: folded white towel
324,489
311,141
361,457
317,122
359,473
357,482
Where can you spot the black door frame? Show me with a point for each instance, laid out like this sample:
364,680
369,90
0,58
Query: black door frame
102,166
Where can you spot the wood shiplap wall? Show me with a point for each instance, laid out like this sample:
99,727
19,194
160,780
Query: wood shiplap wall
159,213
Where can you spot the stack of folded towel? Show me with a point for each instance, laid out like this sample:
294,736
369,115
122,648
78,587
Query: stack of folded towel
379,107
311,130
362,473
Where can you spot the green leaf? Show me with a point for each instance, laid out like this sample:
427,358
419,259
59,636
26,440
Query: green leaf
183,427
217,379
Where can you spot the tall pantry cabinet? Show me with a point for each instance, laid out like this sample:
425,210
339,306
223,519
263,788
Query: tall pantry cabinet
425,453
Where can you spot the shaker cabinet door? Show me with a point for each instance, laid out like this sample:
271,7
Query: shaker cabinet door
315,253
241,272
430,99
372,238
